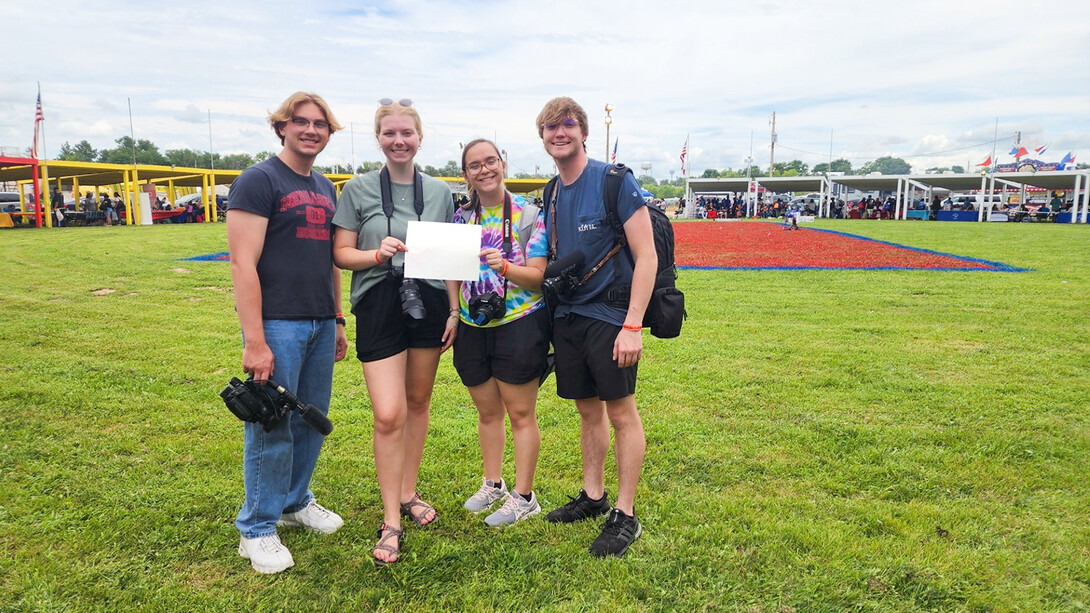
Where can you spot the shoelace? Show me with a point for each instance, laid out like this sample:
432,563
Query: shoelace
483,494
510,505
271,544
614,526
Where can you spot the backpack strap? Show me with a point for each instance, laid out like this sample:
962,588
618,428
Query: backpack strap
527,221
611,195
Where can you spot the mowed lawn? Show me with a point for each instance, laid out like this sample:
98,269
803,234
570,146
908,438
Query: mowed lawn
817,440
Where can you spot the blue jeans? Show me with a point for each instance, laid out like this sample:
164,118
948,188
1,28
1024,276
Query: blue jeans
277,465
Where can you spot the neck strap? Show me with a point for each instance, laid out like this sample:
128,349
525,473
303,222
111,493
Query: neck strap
388,199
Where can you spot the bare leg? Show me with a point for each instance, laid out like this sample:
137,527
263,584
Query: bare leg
629,447
419,380
490,430
384,385
594,439
520,401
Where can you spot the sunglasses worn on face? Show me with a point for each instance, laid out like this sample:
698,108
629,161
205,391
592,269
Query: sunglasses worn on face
303,122
567,123
390,101
491,163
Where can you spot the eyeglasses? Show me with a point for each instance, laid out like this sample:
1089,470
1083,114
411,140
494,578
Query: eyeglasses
491,163
390,101
567,123
303,122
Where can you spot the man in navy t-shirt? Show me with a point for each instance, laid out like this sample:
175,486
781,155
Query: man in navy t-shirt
288,298
598,345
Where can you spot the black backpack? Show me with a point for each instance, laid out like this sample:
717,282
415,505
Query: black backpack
666,308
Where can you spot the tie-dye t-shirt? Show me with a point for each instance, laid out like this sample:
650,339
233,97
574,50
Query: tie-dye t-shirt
520,301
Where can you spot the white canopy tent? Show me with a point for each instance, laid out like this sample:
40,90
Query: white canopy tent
905,186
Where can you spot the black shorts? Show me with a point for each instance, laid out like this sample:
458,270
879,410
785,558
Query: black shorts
381,330
513,353
585,367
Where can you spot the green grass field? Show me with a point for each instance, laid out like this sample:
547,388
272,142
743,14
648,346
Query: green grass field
817,441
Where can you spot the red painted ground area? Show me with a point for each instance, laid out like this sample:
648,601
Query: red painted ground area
768,245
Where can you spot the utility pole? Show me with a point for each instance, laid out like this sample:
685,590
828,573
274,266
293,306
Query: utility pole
772,149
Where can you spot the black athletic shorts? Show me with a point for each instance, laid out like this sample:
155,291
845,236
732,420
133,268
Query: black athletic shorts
584,360
381,330
513,353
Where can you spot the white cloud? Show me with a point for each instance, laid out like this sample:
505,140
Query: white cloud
924,79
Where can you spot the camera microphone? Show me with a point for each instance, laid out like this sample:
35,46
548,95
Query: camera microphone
315,419
568,263
308,412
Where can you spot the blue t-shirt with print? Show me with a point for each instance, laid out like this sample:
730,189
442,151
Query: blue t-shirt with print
581,225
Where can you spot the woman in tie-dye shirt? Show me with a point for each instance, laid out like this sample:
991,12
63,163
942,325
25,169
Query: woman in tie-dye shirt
500,351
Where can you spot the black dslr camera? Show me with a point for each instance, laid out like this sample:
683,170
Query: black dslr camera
412,305
267,404
560,276
483,308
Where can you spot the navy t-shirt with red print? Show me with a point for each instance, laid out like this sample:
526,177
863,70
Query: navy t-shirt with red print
296,262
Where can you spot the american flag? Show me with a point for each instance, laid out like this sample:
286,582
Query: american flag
614,160
684,150
39,117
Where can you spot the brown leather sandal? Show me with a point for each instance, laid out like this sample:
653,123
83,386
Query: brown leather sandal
396,550
409,509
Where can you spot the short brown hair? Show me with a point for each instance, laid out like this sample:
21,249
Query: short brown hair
559,109
396,109
281,116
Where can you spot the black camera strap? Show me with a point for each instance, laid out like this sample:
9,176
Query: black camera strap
388,198
506,244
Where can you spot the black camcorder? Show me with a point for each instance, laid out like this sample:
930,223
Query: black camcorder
267,404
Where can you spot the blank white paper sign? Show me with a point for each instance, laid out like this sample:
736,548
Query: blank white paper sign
448,251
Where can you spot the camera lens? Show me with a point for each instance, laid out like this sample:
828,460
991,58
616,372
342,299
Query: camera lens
412,305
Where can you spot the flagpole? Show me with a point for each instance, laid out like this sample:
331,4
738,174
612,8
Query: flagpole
991,175
45,150
685,167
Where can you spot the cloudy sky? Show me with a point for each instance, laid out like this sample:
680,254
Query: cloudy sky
923,80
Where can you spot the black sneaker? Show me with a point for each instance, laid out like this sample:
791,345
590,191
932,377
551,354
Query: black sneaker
580,508
617,535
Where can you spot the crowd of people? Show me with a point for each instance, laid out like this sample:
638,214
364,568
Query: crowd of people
290,235
734,206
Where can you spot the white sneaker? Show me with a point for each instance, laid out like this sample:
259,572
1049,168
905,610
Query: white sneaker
312,517
486,496
515,508
266,554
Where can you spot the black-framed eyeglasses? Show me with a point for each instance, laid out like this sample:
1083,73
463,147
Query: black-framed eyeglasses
491,163
553,126
390,101
303,122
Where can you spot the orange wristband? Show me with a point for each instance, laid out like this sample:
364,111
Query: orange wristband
377,261
503,273
632,328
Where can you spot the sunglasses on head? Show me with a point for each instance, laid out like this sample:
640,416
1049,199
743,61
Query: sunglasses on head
567,123
390,101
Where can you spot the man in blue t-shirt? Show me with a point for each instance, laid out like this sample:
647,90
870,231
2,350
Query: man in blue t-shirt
288,298
598,345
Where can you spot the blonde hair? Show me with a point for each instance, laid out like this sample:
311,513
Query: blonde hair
281,116
558,109
396,109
